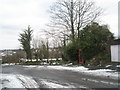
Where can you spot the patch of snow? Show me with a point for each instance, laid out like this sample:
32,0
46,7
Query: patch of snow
33,66
27,60
53,59
30,66
96,81
93,80
118,66
50,84
28,82
100,72
108,65
8,64
44,63
103,72
68,64
54,63
110,83
10,81
80,68
17,81
2,54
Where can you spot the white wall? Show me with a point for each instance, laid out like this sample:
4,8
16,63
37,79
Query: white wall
115,53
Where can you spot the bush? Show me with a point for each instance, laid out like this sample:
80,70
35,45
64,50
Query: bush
100,60
71,52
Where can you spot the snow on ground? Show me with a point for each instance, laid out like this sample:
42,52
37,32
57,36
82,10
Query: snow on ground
8,64
103,72
52,84
28,82
52,59
16,81
30,66
99,72
10,81
79,68
55,84
20,81
118,66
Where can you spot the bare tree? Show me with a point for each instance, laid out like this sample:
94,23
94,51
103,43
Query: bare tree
36,47
41,48
69,16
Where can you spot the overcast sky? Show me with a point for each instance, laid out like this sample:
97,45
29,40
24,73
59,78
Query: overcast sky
16,15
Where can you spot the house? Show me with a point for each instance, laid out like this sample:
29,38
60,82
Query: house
115,45
115,50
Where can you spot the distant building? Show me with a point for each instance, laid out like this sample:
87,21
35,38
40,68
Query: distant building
10,56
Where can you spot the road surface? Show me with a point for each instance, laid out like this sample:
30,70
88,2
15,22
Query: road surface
62,77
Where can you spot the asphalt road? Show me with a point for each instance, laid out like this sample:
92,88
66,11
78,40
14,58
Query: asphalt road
63,77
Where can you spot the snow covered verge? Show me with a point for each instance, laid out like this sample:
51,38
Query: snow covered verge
16,81
8,64
99,72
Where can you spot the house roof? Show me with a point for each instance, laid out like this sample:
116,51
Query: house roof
115,42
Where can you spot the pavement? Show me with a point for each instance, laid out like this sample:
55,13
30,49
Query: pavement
54,78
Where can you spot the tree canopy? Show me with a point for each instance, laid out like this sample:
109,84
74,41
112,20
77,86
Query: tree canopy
70,16
94,41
